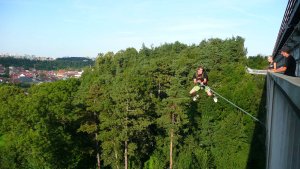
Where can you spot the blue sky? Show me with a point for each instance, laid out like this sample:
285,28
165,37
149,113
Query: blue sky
58,28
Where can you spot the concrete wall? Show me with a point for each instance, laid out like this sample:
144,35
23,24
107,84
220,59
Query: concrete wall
283,122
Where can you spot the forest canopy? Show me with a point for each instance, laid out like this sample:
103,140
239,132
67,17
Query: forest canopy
132,109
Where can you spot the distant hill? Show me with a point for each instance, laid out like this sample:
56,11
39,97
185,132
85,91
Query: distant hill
75,59
59,63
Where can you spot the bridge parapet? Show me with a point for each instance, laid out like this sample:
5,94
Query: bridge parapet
283,122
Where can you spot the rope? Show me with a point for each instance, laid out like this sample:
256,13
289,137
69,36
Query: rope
254,118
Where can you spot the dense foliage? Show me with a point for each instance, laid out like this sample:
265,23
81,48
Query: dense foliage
133,110
59,63
258,62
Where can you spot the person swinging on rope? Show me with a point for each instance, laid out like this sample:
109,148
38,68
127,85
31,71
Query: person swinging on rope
200,81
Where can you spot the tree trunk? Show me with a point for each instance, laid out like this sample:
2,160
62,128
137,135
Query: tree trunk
125,155
158,89
171,143
97,144
98,155
116,156
171,148
126,140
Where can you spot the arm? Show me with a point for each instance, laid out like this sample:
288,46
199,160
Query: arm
205,78
281,69
195,80
204,81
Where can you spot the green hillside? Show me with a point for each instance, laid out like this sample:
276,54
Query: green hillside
59,63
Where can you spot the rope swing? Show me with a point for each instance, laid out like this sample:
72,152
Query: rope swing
254,118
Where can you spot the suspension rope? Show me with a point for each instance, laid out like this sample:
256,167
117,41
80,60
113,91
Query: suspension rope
254,118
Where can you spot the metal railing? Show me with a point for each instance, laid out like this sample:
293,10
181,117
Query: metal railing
285,28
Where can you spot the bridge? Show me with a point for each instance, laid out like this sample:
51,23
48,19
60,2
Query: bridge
283,98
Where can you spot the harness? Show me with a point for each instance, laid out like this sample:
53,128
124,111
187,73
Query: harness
201,78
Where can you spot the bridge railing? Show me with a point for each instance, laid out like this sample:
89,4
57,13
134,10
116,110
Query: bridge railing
289,21
283,122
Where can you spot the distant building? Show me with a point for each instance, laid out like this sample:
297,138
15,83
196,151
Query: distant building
60,74
26,56
78,75
2,69
24,79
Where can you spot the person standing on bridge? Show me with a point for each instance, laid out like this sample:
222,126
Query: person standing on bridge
289,66
272,64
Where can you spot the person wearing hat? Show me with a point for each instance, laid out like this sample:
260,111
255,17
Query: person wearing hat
289,66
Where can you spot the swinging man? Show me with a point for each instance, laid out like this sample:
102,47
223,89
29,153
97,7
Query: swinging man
200,81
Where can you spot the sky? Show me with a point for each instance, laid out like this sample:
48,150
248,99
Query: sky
84,28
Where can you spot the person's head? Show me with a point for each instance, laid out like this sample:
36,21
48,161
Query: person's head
270,59
285,51
200,70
